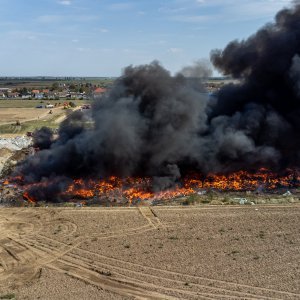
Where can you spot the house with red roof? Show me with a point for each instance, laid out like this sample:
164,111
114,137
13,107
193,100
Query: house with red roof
98,91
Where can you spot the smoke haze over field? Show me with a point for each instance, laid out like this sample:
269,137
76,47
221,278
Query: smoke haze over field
153,124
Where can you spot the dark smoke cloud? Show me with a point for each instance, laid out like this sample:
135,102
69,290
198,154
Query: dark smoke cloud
268,64
153,124
147,125
42,138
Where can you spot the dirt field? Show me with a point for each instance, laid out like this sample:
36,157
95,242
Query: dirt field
11,115
150,253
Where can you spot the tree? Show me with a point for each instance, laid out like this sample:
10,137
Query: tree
24,91
54,86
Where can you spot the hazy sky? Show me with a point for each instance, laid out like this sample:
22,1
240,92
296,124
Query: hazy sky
101,37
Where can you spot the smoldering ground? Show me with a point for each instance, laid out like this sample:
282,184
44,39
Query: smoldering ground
154,124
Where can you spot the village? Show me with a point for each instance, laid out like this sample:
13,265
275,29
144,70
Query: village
55,92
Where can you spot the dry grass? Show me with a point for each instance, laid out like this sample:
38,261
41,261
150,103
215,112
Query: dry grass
31,118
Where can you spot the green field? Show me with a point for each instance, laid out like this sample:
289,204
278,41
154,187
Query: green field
32,83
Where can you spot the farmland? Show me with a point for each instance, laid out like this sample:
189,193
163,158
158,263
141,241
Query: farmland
29,116
40,82
150,253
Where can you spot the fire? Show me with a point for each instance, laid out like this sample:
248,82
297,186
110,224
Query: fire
242,180
135,189
141,188
76,190
28,197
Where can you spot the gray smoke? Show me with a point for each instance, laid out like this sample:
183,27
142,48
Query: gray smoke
200,69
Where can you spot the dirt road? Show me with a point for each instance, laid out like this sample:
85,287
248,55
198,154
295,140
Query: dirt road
150,253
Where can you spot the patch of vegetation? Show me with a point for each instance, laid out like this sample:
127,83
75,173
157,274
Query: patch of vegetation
72,104
28,126
57,230
17,103
191,200
261,234
105,273
8,296
68,204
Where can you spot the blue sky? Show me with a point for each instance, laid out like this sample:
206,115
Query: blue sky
101,37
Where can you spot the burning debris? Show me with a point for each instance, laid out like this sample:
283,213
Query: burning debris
158,129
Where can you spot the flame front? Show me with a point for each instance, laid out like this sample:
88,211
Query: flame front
135,189
141,188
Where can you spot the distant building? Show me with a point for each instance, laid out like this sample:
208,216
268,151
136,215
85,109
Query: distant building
5,90
99,91
12,95
39,96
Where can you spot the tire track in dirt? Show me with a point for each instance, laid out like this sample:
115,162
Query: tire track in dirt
17,260
127,278
150,216
85,269
91,265
68,250
137,278
168,275
54,253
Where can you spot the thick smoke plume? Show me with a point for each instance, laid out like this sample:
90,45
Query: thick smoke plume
264,110
153,124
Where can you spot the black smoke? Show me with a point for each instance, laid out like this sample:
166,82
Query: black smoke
153,124
265,108
42,138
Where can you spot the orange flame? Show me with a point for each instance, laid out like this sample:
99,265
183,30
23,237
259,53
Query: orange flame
141,188
28,197
134,188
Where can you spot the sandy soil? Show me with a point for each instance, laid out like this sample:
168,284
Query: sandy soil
233,252
5,154
11,115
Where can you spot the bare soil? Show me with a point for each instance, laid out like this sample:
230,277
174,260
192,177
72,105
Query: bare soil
196,252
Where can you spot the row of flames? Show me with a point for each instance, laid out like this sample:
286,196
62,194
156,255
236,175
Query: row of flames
134,189
141,188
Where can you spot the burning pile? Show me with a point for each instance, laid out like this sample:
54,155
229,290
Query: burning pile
159,129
